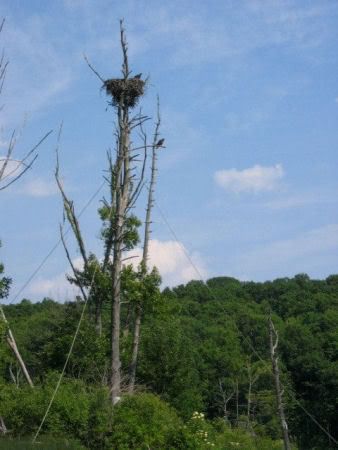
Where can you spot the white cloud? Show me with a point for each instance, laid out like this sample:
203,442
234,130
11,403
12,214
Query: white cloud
254,179
57,287
39,188
173,262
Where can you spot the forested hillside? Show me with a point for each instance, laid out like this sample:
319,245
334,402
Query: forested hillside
204,351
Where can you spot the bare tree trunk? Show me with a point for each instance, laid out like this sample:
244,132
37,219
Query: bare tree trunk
249,398
122,199
136,343
237,412
12,343
98,316
115,379
273,334
3,428
225,400
150,204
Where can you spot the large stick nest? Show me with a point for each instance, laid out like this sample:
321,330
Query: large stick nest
124,92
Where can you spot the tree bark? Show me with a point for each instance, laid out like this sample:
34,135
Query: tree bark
279,392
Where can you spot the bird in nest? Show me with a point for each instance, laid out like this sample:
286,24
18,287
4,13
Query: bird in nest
138,76
160,143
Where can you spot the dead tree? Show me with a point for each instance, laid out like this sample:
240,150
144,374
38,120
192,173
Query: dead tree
12,343
237,401
125,93
252,378
226,397
125,186
273,334
3,428
144,263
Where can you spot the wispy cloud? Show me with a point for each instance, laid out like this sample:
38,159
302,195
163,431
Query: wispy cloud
298,254
39,188
254,179
299,200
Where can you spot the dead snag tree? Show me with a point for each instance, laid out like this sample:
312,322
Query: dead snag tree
144,263
273,335
125,93
125,179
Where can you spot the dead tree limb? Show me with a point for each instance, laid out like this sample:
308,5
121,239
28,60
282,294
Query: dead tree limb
273,334
12,343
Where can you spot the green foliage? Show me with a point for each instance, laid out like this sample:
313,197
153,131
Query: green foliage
5,282
228,438
132,223
193,338
141,287
143,421
24,408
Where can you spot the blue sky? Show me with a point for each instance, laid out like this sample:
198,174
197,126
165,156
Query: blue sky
249,101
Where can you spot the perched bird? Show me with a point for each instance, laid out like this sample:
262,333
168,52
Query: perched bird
160,143
138,76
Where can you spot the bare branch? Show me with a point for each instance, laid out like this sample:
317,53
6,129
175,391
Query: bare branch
92,68
72,265
125,66
27,166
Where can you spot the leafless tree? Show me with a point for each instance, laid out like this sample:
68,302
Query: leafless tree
144,263
125,179
226,396
273,335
